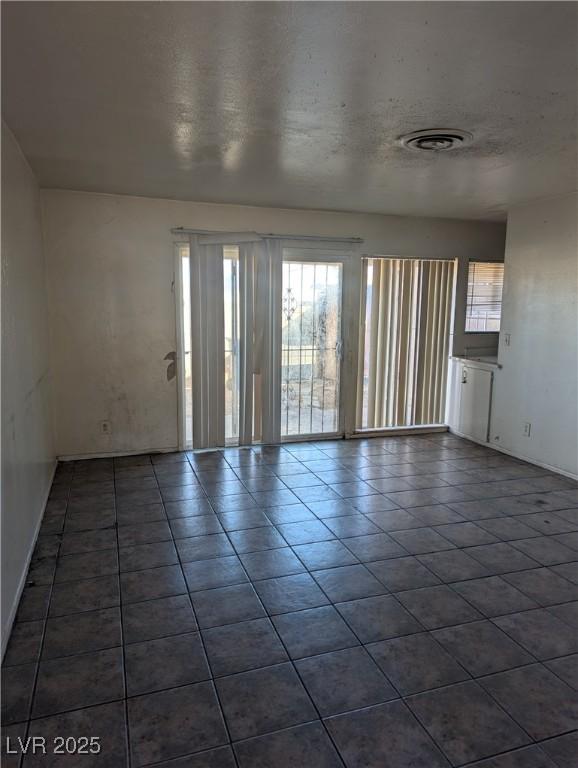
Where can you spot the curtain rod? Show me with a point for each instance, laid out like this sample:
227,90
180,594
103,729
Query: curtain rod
320,238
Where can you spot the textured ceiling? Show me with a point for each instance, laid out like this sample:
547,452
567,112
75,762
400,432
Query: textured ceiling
296,104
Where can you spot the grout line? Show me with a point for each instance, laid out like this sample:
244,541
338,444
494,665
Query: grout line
128,752
251,581
291,661
209,668
45,620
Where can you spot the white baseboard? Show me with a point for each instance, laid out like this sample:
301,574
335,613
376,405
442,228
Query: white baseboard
7,630
113,454
515,455
422,429
389,432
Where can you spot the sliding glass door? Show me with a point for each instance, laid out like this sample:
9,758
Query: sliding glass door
310,346
283,342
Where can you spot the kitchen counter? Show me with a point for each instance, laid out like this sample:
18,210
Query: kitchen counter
485,362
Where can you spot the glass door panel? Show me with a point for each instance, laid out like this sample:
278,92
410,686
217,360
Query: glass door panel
311,348
231,324
186,396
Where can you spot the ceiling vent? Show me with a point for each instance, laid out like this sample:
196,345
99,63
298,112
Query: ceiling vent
436,140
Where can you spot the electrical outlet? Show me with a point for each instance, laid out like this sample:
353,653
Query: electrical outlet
105,427
527,428
507,339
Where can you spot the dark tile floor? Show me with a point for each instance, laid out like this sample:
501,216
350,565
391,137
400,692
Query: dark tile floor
386,603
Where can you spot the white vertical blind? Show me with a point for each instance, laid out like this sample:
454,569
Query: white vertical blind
207,344
267,359
248,254
405,342
259,337
433,347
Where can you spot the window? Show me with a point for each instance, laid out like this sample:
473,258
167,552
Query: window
484,300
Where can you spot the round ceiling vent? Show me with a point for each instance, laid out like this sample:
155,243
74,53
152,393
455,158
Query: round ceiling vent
436,139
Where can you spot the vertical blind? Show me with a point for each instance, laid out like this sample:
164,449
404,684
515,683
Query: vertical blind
207,343
404,342
259,338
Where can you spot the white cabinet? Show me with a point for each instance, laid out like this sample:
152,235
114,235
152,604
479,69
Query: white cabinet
470,398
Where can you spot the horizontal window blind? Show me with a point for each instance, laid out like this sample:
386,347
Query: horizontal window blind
484,297
404,344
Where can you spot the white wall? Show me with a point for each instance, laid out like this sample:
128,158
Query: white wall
27,447
539,379
110,261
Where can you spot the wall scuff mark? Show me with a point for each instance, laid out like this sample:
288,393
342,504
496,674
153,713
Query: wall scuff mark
172,367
